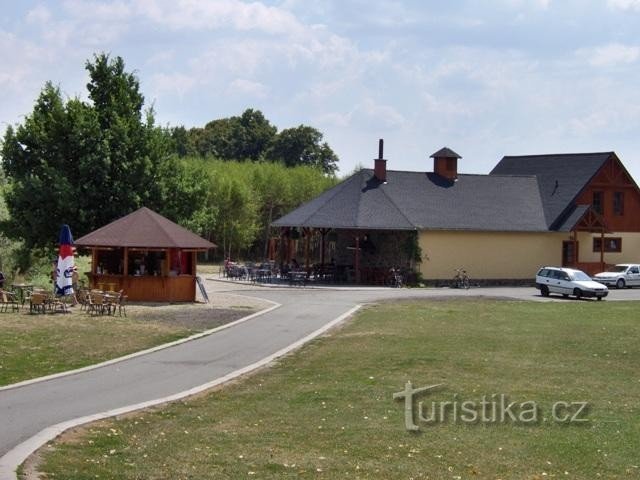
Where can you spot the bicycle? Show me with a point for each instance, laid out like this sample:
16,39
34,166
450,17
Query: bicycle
461,279
395,278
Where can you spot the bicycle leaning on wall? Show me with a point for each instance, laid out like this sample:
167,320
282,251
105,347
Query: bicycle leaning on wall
461,279
395,278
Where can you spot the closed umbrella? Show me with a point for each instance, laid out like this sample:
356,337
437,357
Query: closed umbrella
64,270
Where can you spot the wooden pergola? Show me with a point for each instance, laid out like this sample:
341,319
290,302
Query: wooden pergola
147,255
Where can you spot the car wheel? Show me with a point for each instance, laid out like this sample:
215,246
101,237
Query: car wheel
620,283
565,295
599,298
578,293
544,290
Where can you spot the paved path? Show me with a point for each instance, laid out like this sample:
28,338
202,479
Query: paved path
27,410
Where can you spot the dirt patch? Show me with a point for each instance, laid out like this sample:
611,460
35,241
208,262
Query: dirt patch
191,316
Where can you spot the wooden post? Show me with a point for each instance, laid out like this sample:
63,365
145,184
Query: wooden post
125,266
94,266
323,233
307,234
602,249
281,249
357,262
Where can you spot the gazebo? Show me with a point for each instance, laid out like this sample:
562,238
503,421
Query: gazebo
147,255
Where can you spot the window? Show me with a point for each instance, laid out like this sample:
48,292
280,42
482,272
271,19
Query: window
618,203
634,270
610,244
598,202
545,272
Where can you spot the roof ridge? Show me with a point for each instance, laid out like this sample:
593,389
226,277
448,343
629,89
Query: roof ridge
156,217
560,154
505,175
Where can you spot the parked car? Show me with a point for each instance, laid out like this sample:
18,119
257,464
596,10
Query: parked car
622,275
567,281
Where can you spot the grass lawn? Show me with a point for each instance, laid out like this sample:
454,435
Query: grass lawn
37,345
327,411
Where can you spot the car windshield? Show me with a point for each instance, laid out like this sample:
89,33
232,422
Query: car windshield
580,276
618,268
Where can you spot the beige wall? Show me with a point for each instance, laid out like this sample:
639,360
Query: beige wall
489,255
630,248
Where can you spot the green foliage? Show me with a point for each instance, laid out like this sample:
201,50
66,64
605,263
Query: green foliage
245,197
235,138
302,146
252,137
9,249
88,163
412,248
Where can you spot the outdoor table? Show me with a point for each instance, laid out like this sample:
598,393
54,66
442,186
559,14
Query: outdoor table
111,301
297,277
21,287
264,275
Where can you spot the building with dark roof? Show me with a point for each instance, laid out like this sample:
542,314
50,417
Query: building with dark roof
581,210
147,255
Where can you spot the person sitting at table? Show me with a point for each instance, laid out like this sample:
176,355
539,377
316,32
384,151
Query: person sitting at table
2,280
295,265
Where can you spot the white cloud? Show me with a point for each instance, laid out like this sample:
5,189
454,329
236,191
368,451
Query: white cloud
335,119
624,4
243,86
610,55
18,59
39,15
540,4
379,114
173,84
99,12
212,15
369,112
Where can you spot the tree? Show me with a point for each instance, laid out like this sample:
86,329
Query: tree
235,138
40,163
302,145
180,141
245,197
87,163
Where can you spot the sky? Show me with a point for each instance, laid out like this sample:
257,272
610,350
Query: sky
485,78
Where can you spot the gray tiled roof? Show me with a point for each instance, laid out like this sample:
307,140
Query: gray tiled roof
522,193
418,201
567,221
561,178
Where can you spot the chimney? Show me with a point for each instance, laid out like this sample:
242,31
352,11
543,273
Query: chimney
380,164
445,163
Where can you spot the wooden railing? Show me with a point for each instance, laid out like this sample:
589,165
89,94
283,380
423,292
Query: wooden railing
590,268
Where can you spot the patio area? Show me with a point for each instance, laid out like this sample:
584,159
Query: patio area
308,256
